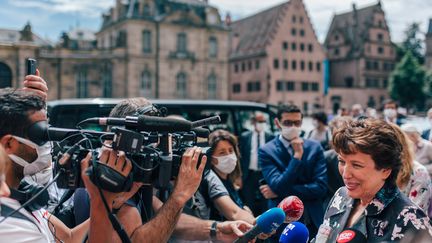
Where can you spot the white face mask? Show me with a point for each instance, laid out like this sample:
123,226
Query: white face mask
42,178
260,126
227,163
42,161
390,113
289,133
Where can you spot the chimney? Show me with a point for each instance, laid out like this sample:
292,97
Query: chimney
228,19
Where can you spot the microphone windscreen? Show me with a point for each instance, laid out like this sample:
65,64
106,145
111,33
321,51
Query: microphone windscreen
270,220
294,232
293,208
351,235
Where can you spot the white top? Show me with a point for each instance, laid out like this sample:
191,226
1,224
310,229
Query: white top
253,163
21,230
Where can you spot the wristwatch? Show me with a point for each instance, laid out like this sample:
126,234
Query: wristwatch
213,229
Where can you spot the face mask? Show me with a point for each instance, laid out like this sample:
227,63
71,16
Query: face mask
260,126
42,161
289,133
227,163
42,178
315,123
390,113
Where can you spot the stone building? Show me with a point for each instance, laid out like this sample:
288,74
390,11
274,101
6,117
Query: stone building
275,57
361,56
151,48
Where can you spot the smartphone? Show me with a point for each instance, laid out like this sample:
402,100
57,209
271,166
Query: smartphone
262,182
31,66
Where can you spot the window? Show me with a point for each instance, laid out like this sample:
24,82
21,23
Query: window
310,64
5,75
310,48
279,85
336,51
285,64
146,41
243,65
181,85
293,65
106,80
305,86
236,88
315,86
253,86
213,47
380,50
302,47
257,86
212,87
302,65
146,84
385,83
285,45
380,37
82,82
290,85
236,68
293,32
368,65
146,10
302,32
305,107
257,64
301,19
250,86
349,82
380,23
294,19
276,63
293,46
318,66
375,65
336,37
249,65
181,42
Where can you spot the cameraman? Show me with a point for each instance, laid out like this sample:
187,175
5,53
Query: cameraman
188,227
20,110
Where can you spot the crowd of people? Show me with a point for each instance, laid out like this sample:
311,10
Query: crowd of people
353,171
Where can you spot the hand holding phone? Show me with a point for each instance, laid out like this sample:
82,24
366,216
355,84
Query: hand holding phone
31,66
33,82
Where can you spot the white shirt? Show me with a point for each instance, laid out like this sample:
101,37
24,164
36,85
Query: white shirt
21,230
253,163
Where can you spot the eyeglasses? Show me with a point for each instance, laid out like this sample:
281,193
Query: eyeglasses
290,123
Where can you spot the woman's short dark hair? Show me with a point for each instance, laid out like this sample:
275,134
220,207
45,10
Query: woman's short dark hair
374,137
223,135
321,117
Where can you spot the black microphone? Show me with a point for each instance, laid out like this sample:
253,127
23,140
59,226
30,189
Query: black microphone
206,121
351,235
41,132
144,123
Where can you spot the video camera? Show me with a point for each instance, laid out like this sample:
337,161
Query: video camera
154,145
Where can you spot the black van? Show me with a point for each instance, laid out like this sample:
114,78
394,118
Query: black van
235,115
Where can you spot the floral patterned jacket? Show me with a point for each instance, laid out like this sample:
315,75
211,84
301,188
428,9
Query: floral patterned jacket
419,187
388,217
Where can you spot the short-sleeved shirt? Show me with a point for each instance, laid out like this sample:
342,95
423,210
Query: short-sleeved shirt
211,188
25,226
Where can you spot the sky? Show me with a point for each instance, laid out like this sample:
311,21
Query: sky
49,18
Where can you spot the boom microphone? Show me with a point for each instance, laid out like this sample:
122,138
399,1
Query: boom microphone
293,208
351,235
295,232
265,223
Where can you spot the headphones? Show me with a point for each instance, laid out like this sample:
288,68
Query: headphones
26,191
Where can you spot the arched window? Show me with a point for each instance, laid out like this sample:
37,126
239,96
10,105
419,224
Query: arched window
5,76
213,47
146,84
212,86
181,86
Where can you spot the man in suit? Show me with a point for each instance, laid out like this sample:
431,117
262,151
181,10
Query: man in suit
427,134
250,141
294,166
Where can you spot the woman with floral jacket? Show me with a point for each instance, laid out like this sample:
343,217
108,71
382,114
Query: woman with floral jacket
370,154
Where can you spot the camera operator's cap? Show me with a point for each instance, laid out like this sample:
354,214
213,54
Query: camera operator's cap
409,128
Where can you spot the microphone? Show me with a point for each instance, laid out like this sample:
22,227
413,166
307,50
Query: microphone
293,208
265,223
351,235
295,232
206,121
41,132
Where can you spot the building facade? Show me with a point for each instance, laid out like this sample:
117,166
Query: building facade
275,57
151,48
361,56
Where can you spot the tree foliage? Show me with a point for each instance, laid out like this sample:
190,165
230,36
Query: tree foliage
412,43
408,82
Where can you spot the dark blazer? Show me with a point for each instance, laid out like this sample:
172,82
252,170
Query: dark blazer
305,178
426,134
245,150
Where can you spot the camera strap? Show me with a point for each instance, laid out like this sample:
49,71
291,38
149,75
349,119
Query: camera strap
109,179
